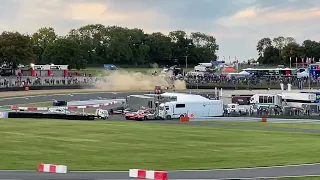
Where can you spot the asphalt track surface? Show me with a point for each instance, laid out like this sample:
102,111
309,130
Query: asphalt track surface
243,173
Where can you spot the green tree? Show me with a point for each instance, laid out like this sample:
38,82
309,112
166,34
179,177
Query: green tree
97,44
181,43
204,47
291,50
65,51
15,49
160,48
92,39
271,56
262,45
41,40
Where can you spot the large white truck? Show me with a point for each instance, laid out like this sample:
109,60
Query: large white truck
197,109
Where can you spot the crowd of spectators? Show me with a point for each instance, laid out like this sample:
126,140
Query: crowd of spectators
21,81
253,80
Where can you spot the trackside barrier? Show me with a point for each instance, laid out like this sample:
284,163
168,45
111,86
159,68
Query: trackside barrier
68,107
48,87
186,118
146,174
52,168
264,120
37,115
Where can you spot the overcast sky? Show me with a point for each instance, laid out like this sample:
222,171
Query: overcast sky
237,24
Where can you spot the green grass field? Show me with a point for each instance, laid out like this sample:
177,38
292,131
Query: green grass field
299,178
38,104
111,145
260,124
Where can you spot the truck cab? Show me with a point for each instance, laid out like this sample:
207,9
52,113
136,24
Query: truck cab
103,114
164,111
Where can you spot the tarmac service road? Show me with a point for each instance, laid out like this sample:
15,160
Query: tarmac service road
241,173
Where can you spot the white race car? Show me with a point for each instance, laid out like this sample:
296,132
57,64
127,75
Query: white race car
59,111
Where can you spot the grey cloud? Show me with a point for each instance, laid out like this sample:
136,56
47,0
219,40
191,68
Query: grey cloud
189,15
295,4
8,10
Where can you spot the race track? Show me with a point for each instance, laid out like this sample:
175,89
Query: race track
243,173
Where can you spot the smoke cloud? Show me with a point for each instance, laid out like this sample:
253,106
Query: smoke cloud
122,80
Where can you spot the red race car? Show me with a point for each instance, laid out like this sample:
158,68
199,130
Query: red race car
139,115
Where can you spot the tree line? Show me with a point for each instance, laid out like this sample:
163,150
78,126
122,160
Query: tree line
285,50
97,44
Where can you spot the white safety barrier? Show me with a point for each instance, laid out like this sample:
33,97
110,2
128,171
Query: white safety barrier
68,107
52,168
146,174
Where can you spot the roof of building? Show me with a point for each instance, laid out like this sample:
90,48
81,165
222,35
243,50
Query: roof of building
186,97
141,96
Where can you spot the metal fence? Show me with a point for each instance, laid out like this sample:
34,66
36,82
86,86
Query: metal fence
308,110
12,81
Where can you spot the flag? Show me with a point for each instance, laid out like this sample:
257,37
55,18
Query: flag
290,60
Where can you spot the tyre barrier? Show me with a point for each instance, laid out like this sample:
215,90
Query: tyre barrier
67,108
146,174
52,168
50,87
36,115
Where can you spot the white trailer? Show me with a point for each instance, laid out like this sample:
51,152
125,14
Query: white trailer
298,100
299,97
199,109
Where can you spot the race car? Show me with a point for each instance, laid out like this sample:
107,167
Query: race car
58,111
134,116
140,115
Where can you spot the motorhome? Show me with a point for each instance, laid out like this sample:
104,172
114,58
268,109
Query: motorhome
174,109
190,104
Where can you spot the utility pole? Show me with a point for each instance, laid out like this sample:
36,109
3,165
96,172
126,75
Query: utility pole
186,61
